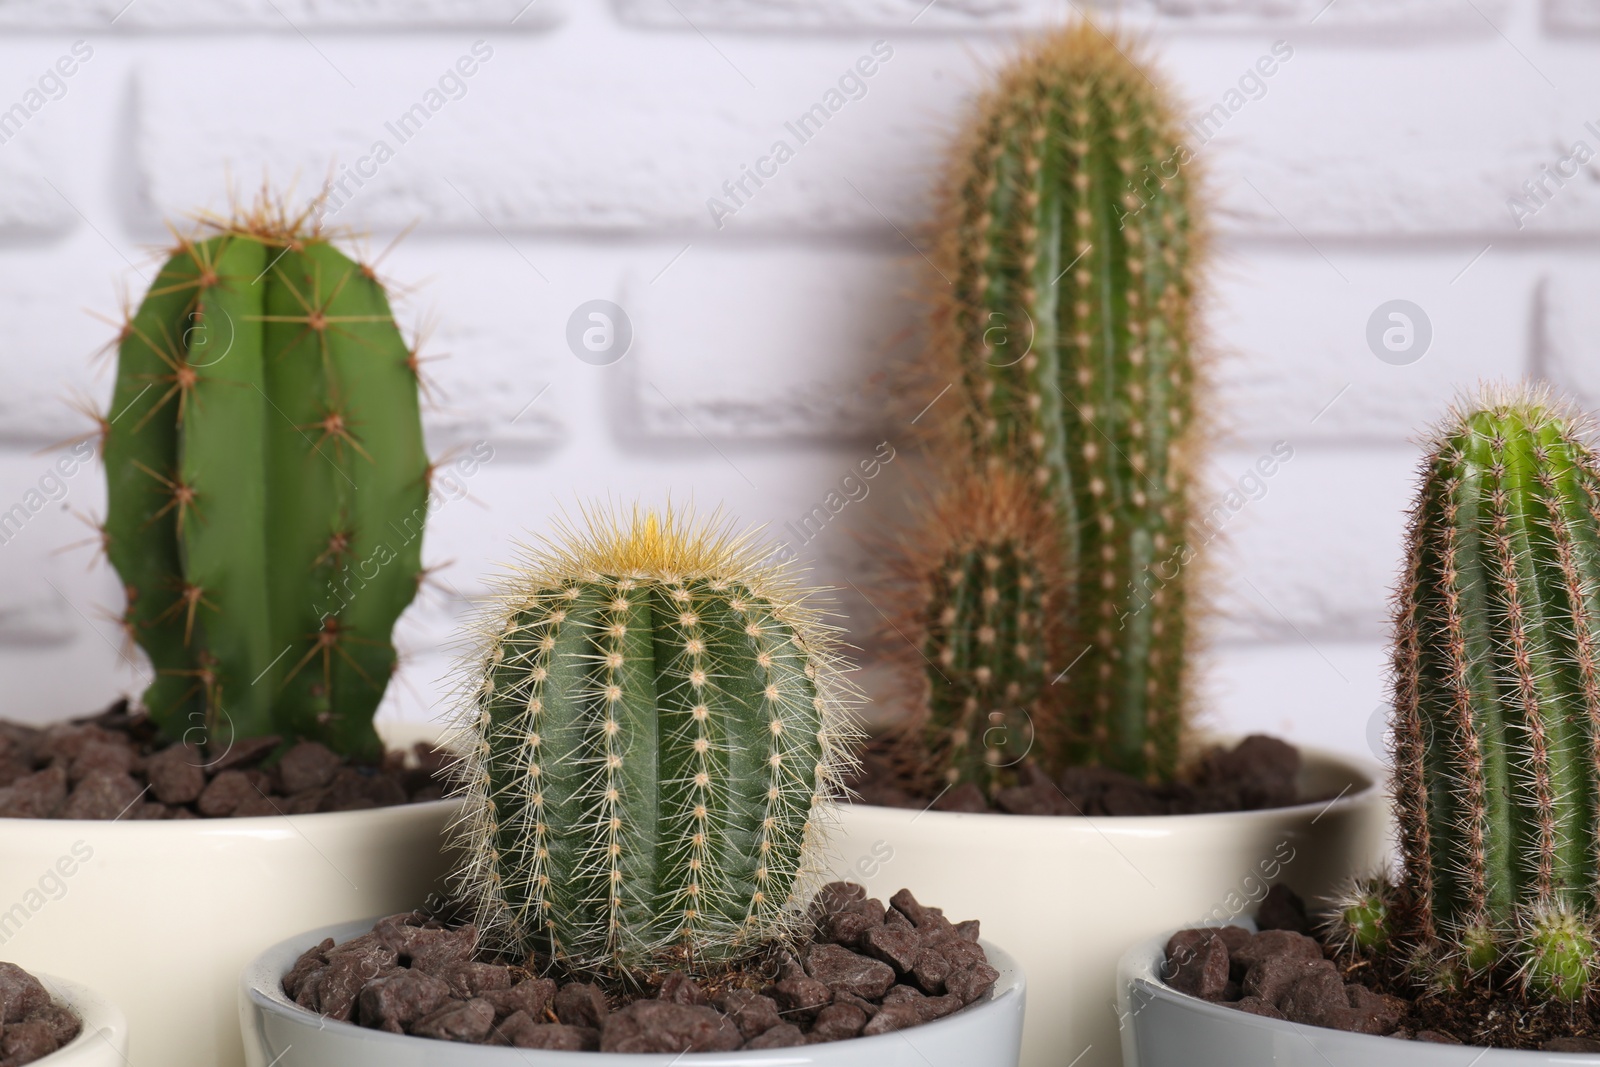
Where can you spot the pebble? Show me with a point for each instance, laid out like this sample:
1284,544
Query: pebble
843,971
784,1035
35,796
467,1021
581,1004
31,1027
174,774
308,765
662,1026
102,794
522,1031
530,996
21,994
751,1012
393,1003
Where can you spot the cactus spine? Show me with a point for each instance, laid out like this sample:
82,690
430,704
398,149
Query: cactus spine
267,485
976,583
653,725
1069,251
1497,698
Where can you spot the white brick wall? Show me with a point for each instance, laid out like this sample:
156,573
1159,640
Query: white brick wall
1377,162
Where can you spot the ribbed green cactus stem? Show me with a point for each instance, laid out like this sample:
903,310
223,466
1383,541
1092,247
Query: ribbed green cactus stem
654,724
267,485
1497,694
979,583
1068,251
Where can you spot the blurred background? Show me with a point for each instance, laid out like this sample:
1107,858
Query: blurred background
1403,199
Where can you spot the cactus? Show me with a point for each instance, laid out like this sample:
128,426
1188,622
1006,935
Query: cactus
1497,700
653,724
975,583
1069,250
267,485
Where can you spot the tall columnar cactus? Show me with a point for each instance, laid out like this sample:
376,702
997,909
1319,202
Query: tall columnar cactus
267,485
654,723
1069,247
1497,699
977,580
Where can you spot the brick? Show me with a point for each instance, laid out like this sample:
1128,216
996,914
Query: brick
673,125
838,14
1569,323
1309,551
1444,162
1325,695
47,363
1292,334
31,207
468,305
53,597
1571,15
1298,14
788,343
285,15
999,15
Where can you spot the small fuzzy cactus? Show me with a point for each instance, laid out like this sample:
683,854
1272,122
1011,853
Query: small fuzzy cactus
1497,702
654,722
1068,252
267,485
976,581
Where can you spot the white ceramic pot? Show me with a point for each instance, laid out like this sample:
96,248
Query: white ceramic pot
280,1034
161,916
1165,1028
1070,894
103,1041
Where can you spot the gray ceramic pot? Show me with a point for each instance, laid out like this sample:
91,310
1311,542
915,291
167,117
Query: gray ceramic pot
279,1034
1164,1028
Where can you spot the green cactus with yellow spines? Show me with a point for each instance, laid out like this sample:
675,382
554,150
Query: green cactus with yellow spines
1069,244
655,721
974,584
267,485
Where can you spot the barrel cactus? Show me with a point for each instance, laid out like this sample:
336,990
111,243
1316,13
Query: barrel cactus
655,721
1497,705
267,485
1068,251
976,580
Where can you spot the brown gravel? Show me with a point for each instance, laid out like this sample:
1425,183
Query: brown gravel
31,1026
110,766
416,975
1260,772
1283,973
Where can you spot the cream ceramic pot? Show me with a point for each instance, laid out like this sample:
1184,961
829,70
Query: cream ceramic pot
1070,894
986,1033
160,917
103,1041
1165,1028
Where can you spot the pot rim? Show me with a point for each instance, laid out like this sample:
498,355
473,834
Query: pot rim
261,987
1138,980
247,825
99,1019
1370,771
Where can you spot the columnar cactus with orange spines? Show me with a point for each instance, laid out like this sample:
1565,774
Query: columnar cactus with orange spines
655,720
1497,701
976,580
267,484
1069,247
